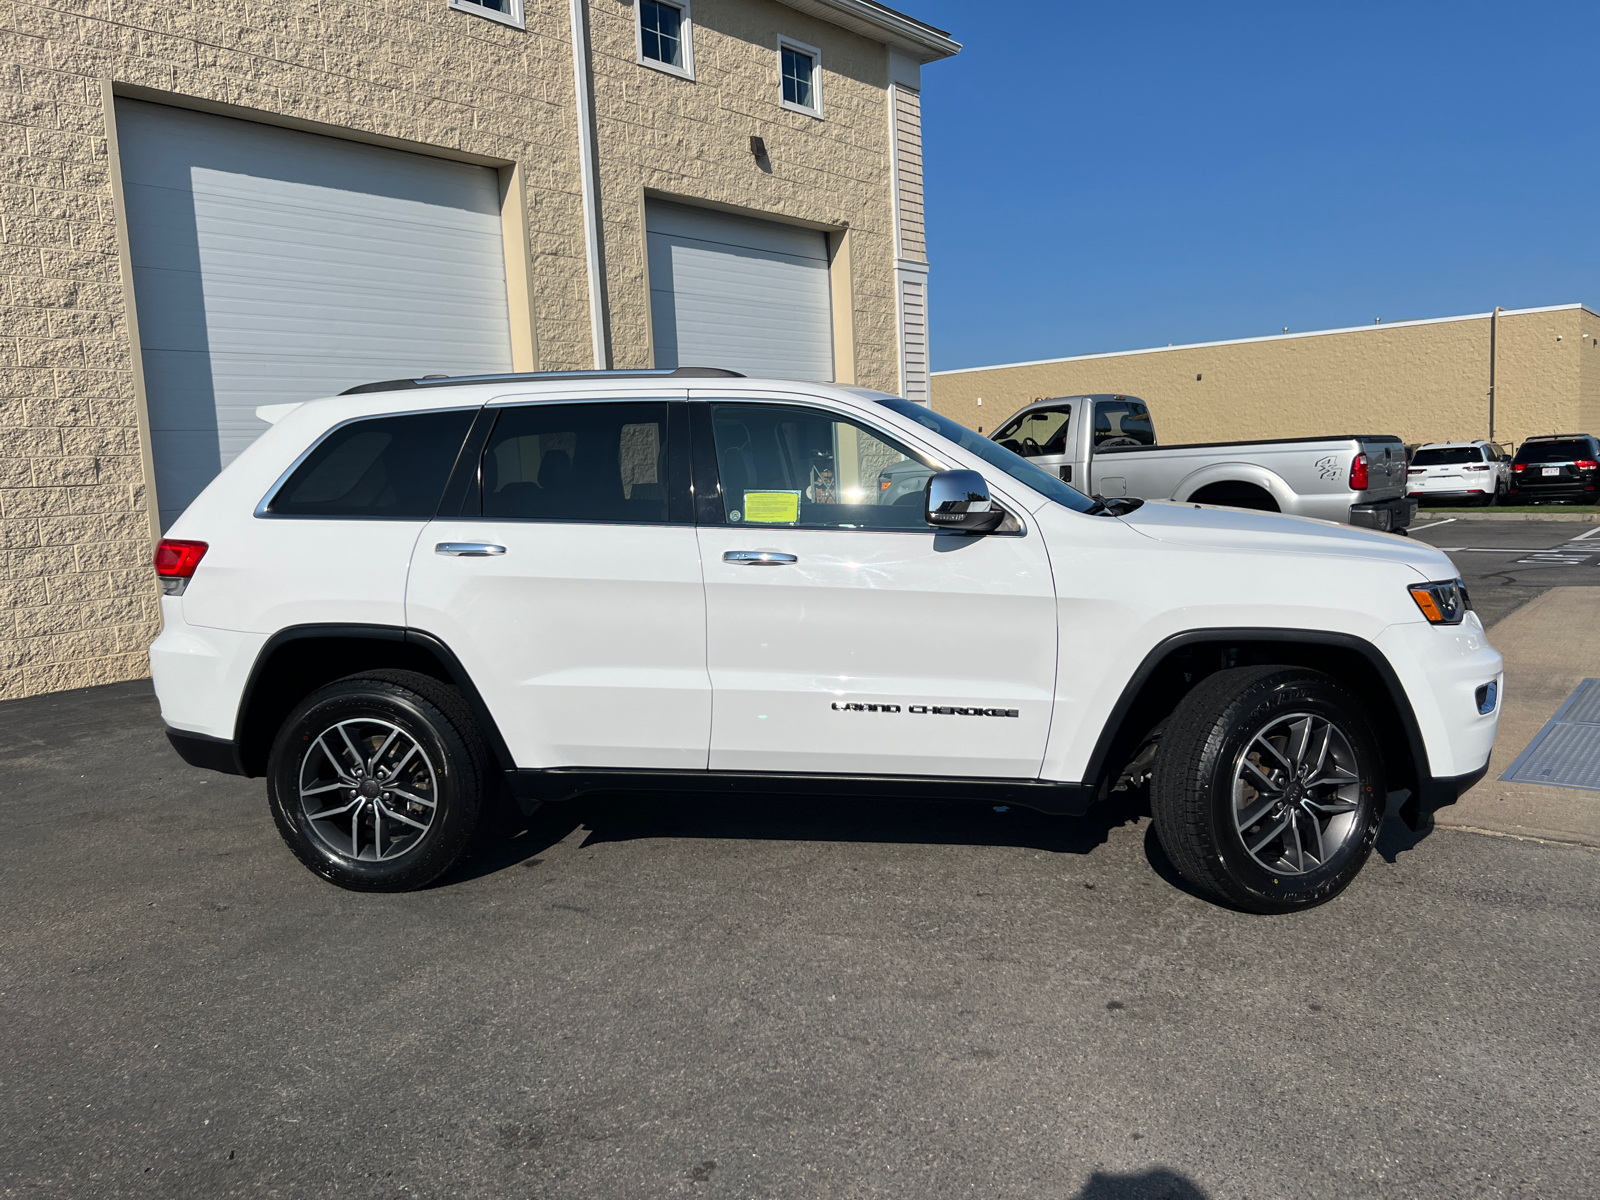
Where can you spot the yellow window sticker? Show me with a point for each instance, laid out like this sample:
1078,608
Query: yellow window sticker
770,508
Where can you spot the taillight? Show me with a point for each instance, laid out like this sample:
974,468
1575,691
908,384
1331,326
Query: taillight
1518,468
1586,464
1358,474
175,564
1416,471
1478,468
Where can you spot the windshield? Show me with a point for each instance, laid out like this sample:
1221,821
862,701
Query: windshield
1553,452
1446,456
996,456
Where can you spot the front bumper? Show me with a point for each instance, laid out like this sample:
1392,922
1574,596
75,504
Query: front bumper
1384,515
1435,793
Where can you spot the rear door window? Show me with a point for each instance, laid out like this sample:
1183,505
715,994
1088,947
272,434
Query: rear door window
385,468
602,462
1122,423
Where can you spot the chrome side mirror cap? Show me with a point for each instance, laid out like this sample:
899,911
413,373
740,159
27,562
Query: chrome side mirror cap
960,500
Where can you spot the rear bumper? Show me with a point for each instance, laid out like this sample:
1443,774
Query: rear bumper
203,750
1555,491
1384,514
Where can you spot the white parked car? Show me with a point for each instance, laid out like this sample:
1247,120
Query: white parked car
1474,471
402,597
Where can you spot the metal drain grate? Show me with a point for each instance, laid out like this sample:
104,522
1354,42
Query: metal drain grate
1566,752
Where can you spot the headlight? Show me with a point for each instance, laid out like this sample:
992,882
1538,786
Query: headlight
1442,603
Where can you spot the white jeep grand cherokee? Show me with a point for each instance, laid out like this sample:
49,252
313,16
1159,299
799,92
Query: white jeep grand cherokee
405,599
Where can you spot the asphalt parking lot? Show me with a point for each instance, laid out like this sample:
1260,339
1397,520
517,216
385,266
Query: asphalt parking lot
636,997
1507,563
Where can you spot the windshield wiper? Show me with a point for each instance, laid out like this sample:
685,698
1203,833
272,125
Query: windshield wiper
1113,506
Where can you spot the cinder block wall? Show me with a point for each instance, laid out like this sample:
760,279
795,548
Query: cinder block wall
691,140
77,596
1422,382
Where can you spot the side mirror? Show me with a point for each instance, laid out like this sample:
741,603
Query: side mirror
960,500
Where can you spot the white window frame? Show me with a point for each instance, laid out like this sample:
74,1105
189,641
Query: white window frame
685,36
789,43
512,18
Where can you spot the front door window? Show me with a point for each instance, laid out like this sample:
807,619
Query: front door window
804,468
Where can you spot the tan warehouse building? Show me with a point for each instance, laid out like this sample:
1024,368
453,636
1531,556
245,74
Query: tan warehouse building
211,206
1422,380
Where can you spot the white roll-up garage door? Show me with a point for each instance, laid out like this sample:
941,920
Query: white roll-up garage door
271,265
737,292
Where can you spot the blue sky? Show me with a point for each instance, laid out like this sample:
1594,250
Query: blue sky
1112,176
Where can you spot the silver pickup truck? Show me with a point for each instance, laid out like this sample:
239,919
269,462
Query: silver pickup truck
1106,446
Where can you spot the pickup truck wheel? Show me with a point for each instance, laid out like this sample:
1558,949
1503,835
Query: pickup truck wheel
377,781
1268,791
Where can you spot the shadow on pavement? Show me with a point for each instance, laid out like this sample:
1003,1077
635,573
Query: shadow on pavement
1155,1184
514,839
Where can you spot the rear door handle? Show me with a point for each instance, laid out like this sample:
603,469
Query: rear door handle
468,549
758,558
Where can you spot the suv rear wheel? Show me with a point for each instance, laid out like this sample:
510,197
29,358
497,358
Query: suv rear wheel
377,781
1268,792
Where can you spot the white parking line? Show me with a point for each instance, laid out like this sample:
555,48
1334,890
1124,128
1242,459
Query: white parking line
1583,537
1447,520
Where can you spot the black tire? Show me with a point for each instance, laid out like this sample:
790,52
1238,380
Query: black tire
449,767
1195,800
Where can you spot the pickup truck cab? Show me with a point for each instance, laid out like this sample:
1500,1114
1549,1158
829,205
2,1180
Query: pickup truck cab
402,601
1106,445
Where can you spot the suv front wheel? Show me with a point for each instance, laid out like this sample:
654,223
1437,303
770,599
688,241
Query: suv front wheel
377,781
1269,790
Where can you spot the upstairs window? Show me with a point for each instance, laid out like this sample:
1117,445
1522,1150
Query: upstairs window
507,12
801,68
665,40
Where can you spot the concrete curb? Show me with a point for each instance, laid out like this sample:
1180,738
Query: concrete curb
1489,514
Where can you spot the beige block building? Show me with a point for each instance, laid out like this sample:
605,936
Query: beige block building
1425,381
214,204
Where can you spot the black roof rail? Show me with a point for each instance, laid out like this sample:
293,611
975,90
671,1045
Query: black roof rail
1556,437
399,385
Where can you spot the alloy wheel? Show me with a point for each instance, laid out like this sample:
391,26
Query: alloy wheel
368,790
1296,792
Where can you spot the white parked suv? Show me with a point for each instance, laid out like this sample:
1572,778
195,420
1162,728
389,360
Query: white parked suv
1479,472
405,600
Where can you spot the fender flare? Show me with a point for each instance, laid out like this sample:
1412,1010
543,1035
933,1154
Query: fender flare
455,672
1241,472
1428,793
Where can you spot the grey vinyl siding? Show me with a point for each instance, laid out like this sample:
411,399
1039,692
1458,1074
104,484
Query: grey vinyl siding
272,265
737,292
914,336
908,171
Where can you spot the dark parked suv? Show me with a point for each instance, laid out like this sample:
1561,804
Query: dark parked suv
1560,467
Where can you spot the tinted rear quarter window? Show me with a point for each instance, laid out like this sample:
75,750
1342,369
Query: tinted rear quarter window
383,468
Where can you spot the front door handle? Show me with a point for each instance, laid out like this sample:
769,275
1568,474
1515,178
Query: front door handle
758,558
468,549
